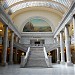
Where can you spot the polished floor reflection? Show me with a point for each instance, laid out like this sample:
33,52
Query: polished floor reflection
56,70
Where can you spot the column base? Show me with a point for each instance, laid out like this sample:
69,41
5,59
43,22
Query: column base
4,64
49,65
58,62
69,64
63,63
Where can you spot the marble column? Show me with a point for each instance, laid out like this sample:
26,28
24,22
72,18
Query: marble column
58,51
11,48
74,29
15,59
5,40
67,44
62,48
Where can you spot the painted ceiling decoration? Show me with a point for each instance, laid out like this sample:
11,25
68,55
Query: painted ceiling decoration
15,5
37,25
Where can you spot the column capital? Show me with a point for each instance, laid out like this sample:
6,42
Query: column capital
67,25
58,36
12,34
12,31
55,40
61,31
5,25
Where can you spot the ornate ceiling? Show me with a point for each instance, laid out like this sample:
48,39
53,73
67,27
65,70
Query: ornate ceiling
59,5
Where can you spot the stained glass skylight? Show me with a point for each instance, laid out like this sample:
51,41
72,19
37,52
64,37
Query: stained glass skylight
10,2
37,3
64,2
56,4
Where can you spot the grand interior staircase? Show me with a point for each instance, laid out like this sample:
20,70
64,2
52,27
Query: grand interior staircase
36,58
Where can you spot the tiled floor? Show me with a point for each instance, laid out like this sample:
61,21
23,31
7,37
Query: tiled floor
56,70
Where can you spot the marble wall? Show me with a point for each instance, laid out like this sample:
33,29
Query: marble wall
47,37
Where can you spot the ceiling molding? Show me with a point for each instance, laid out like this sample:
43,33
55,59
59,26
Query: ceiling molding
36,8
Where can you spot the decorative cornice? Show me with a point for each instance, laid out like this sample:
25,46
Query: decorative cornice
34,34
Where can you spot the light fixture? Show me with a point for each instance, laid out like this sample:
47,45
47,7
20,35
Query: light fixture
22,53
0,30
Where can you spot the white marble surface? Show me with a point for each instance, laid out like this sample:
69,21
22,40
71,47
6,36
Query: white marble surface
56,70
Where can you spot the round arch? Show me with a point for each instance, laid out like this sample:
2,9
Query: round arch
37,17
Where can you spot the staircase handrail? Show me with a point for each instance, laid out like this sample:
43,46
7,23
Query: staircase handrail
46,57
45,53
27,53
25,58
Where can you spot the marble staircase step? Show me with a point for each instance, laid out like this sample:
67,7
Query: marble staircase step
36,58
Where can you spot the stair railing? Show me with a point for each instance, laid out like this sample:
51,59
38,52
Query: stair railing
25,58
46,58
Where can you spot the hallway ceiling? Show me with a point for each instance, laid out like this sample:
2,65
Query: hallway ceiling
59,5
54,8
